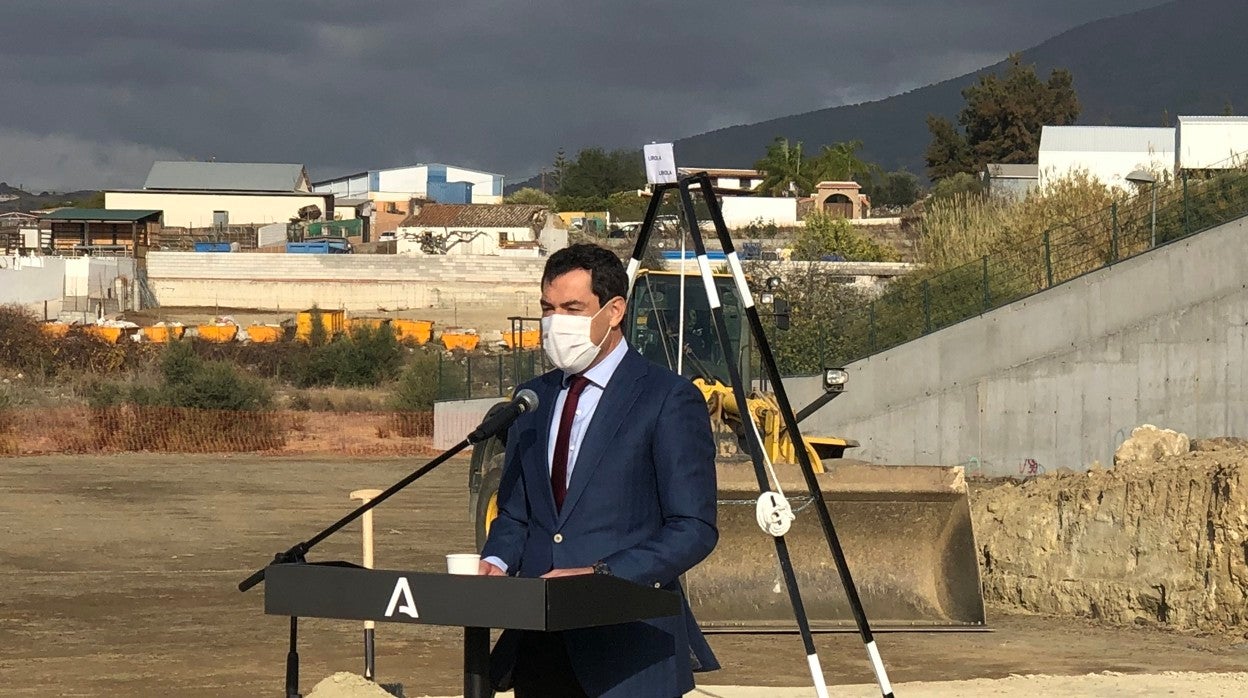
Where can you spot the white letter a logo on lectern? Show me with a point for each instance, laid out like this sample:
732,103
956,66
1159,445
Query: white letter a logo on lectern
402,592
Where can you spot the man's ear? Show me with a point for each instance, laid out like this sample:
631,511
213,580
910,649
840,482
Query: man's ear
618,309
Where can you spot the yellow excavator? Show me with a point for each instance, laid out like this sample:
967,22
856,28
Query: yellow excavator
906,530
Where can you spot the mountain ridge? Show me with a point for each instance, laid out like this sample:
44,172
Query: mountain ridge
1125,73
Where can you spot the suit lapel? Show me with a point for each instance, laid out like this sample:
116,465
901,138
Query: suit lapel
538,462
618,398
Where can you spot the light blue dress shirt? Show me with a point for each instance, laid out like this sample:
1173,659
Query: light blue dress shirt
598,377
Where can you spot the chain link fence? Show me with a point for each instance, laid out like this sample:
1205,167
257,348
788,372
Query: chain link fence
467,376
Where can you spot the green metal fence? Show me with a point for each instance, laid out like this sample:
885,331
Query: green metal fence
335,229
916,306
465,376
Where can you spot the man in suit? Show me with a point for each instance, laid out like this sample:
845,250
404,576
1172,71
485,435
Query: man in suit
614,473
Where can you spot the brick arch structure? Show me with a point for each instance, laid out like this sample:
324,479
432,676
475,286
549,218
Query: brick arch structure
840,198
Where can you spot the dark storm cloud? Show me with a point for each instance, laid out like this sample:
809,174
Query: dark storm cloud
94,90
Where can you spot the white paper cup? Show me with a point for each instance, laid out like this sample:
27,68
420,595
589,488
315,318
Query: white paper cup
463,563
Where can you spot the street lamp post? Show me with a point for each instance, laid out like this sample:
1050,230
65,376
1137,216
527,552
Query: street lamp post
1146,177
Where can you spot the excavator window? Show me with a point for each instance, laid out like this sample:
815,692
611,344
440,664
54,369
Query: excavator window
654,323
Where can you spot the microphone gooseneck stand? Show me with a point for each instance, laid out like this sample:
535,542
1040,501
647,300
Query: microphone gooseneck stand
525,401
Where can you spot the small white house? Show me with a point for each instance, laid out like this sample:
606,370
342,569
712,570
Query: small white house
1212,142
728,180
741,211
481,229
441,183
1108,153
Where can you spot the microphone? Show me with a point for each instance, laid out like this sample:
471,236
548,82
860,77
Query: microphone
524,401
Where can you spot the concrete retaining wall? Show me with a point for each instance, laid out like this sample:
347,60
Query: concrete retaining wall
1062,377
353,282
26,280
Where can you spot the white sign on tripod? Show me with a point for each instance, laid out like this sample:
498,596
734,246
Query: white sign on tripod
660,163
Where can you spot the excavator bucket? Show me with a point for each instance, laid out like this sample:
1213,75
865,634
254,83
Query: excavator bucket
906,533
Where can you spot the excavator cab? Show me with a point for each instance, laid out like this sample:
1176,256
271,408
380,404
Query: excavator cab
906,530
653,326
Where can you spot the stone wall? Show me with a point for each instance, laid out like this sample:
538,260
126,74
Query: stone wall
351,282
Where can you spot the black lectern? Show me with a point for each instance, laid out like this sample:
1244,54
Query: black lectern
339,590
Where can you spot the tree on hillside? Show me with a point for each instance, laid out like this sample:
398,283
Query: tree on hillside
1001,121
558,169
595,174
529,195
627,206
839,162
897,188
786,172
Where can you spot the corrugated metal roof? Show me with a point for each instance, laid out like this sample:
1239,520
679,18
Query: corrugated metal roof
354,175
99,214
442,164
473,216
1214,119
1002,170
223,176
1106,139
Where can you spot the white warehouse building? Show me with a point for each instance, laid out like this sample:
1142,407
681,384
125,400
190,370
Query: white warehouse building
1108,153
435,181
209,194
1212,142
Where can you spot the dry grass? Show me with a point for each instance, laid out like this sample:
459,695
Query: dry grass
965,227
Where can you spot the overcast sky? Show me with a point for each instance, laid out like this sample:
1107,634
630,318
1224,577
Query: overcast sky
93,91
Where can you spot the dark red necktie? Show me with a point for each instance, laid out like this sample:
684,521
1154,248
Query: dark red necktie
559,461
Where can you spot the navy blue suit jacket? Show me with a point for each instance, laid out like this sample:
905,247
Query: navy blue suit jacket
641,498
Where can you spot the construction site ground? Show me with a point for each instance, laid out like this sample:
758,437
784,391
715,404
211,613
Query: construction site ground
118,574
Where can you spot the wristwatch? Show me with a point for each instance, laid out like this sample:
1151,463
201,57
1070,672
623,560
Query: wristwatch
600,567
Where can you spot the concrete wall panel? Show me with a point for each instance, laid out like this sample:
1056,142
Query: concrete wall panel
1062,377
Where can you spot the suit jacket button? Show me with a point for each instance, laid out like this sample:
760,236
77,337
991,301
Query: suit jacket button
658,586
558,537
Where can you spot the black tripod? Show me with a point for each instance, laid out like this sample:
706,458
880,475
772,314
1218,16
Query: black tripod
753,440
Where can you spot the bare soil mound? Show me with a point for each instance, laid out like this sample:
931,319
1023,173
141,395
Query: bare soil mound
1158,539
344,684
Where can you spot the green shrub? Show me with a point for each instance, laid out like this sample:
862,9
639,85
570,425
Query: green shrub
317,335
417,386
827,235
23,347
366,357
188,381
217,385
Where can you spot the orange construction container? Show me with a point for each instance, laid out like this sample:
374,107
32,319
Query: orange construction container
160,334
264,334
371,323
108,334
460,340
54,329
217,333
334,322
419,331
525,339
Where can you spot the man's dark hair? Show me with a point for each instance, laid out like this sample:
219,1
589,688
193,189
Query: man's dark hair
606,272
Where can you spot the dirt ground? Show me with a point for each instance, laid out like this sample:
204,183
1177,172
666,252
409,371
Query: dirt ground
118,574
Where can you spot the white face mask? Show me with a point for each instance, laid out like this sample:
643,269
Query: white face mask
566,339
